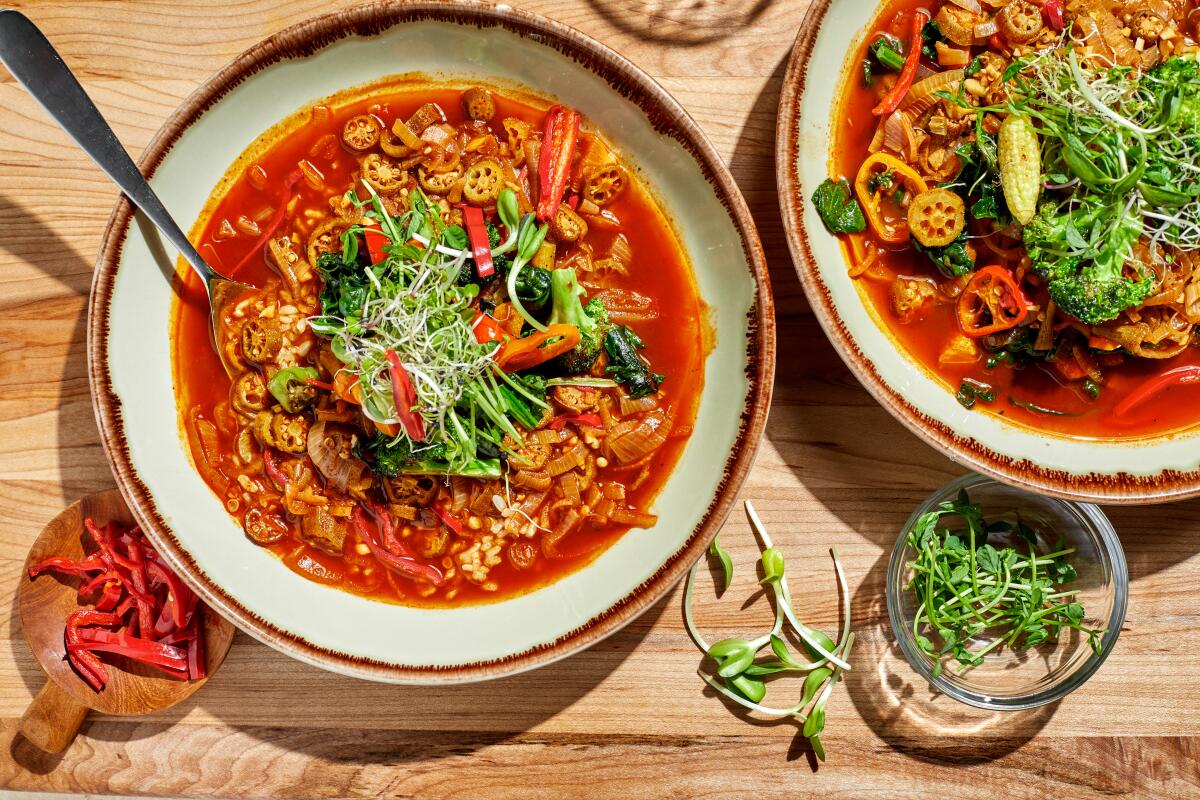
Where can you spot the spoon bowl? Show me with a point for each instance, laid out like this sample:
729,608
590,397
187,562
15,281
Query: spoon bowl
54,716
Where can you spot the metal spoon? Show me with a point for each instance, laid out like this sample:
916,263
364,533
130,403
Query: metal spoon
35,63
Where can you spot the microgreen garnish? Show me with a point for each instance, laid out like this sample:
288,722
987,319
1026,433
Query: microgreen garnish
975,597
740,673
529,238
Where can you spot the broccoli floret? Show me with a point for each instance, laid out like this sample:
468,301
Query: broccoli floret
591,320
391,457
1084,254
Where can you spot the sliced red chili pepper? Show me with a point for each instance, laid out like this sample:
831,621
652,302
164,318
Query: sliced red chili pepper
444,514
319,384
405,397
481,248
406,567
560,135
1180,376
1052,10
486,329
991,302
376,241
591,420
908,74
285,197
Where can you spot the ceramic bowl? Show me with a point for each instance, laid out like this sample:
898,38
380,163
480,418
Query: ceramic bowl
1141,471
130,361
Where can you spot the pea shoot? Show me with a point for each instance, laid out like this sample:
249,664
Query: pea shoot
975,597
741,675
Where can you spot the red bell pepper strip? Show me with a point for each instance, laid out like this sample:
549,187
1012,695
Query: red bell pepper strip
405,567
591,420
285,197
85,663
1180,376
177,592
486,329
481,248
197,657
560,135
991,302
451,521
156,654
110,597
82,569
1052,10
405,397
908,74
376,240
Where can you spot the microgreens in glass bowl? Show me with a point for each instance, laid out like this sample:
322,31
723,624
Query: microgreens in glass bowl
1005,599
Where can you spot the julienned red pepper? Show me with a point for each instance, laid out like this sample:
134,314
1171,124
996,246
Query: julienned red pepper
376,241
481,248
406,567
486,329
141,594
1052,10
285,197
591,420
405,397
559,139
1180,376
444,514
908,74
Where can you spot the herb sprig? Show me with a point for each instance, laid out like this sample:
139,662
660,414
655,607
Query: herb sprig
741,675
967,589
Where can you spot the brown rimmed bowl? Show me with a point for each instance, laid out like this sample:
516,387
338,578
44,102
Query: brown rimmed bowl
130,354
1160,469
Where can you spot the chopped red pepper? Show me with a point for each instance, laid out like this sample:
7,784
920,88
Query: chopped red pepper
444,514
481,248
405,566
559,138
405,396
991,302
1052,10
82,569
1180,376
591,420
486,329
908,74
376,241
285,197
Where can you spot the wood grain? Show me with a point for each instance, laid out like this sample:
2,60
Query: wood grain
628,717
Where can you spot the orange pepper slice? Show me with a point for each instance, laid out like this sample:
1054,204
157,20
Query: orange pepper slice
537,348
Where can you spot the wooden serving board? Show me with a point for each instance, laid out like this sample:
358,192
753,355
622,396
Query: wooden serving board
628,718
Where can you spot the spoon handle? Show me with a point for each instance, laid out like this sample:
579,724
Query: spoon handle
52,719
35,63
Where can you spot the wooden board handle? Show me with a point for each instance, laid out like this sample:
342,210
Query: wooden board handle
52,719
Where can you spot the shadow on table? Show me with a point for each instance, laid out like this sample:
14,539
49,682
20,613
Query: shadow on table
391,733
686,24
24,236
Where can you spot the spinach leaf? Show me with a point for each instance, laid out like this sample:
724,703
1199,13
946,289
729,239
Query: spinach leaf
840,212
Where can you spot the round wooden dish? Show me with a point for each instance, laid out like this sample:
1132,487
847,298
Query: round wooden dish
54,716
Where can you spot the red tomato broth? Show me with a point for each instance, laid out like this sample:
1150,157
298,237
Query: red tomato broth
1170,411
675,341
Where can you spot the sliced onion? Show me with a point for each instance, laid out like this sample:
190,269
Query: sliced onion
986,29
894,135
921,97
969,5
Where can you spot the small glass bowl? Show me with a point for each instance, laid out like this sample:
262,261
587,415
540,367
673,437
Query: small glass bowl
1012,679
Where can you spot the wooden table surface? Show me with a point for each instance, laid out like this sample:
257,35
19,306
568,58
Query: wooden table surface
629,718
